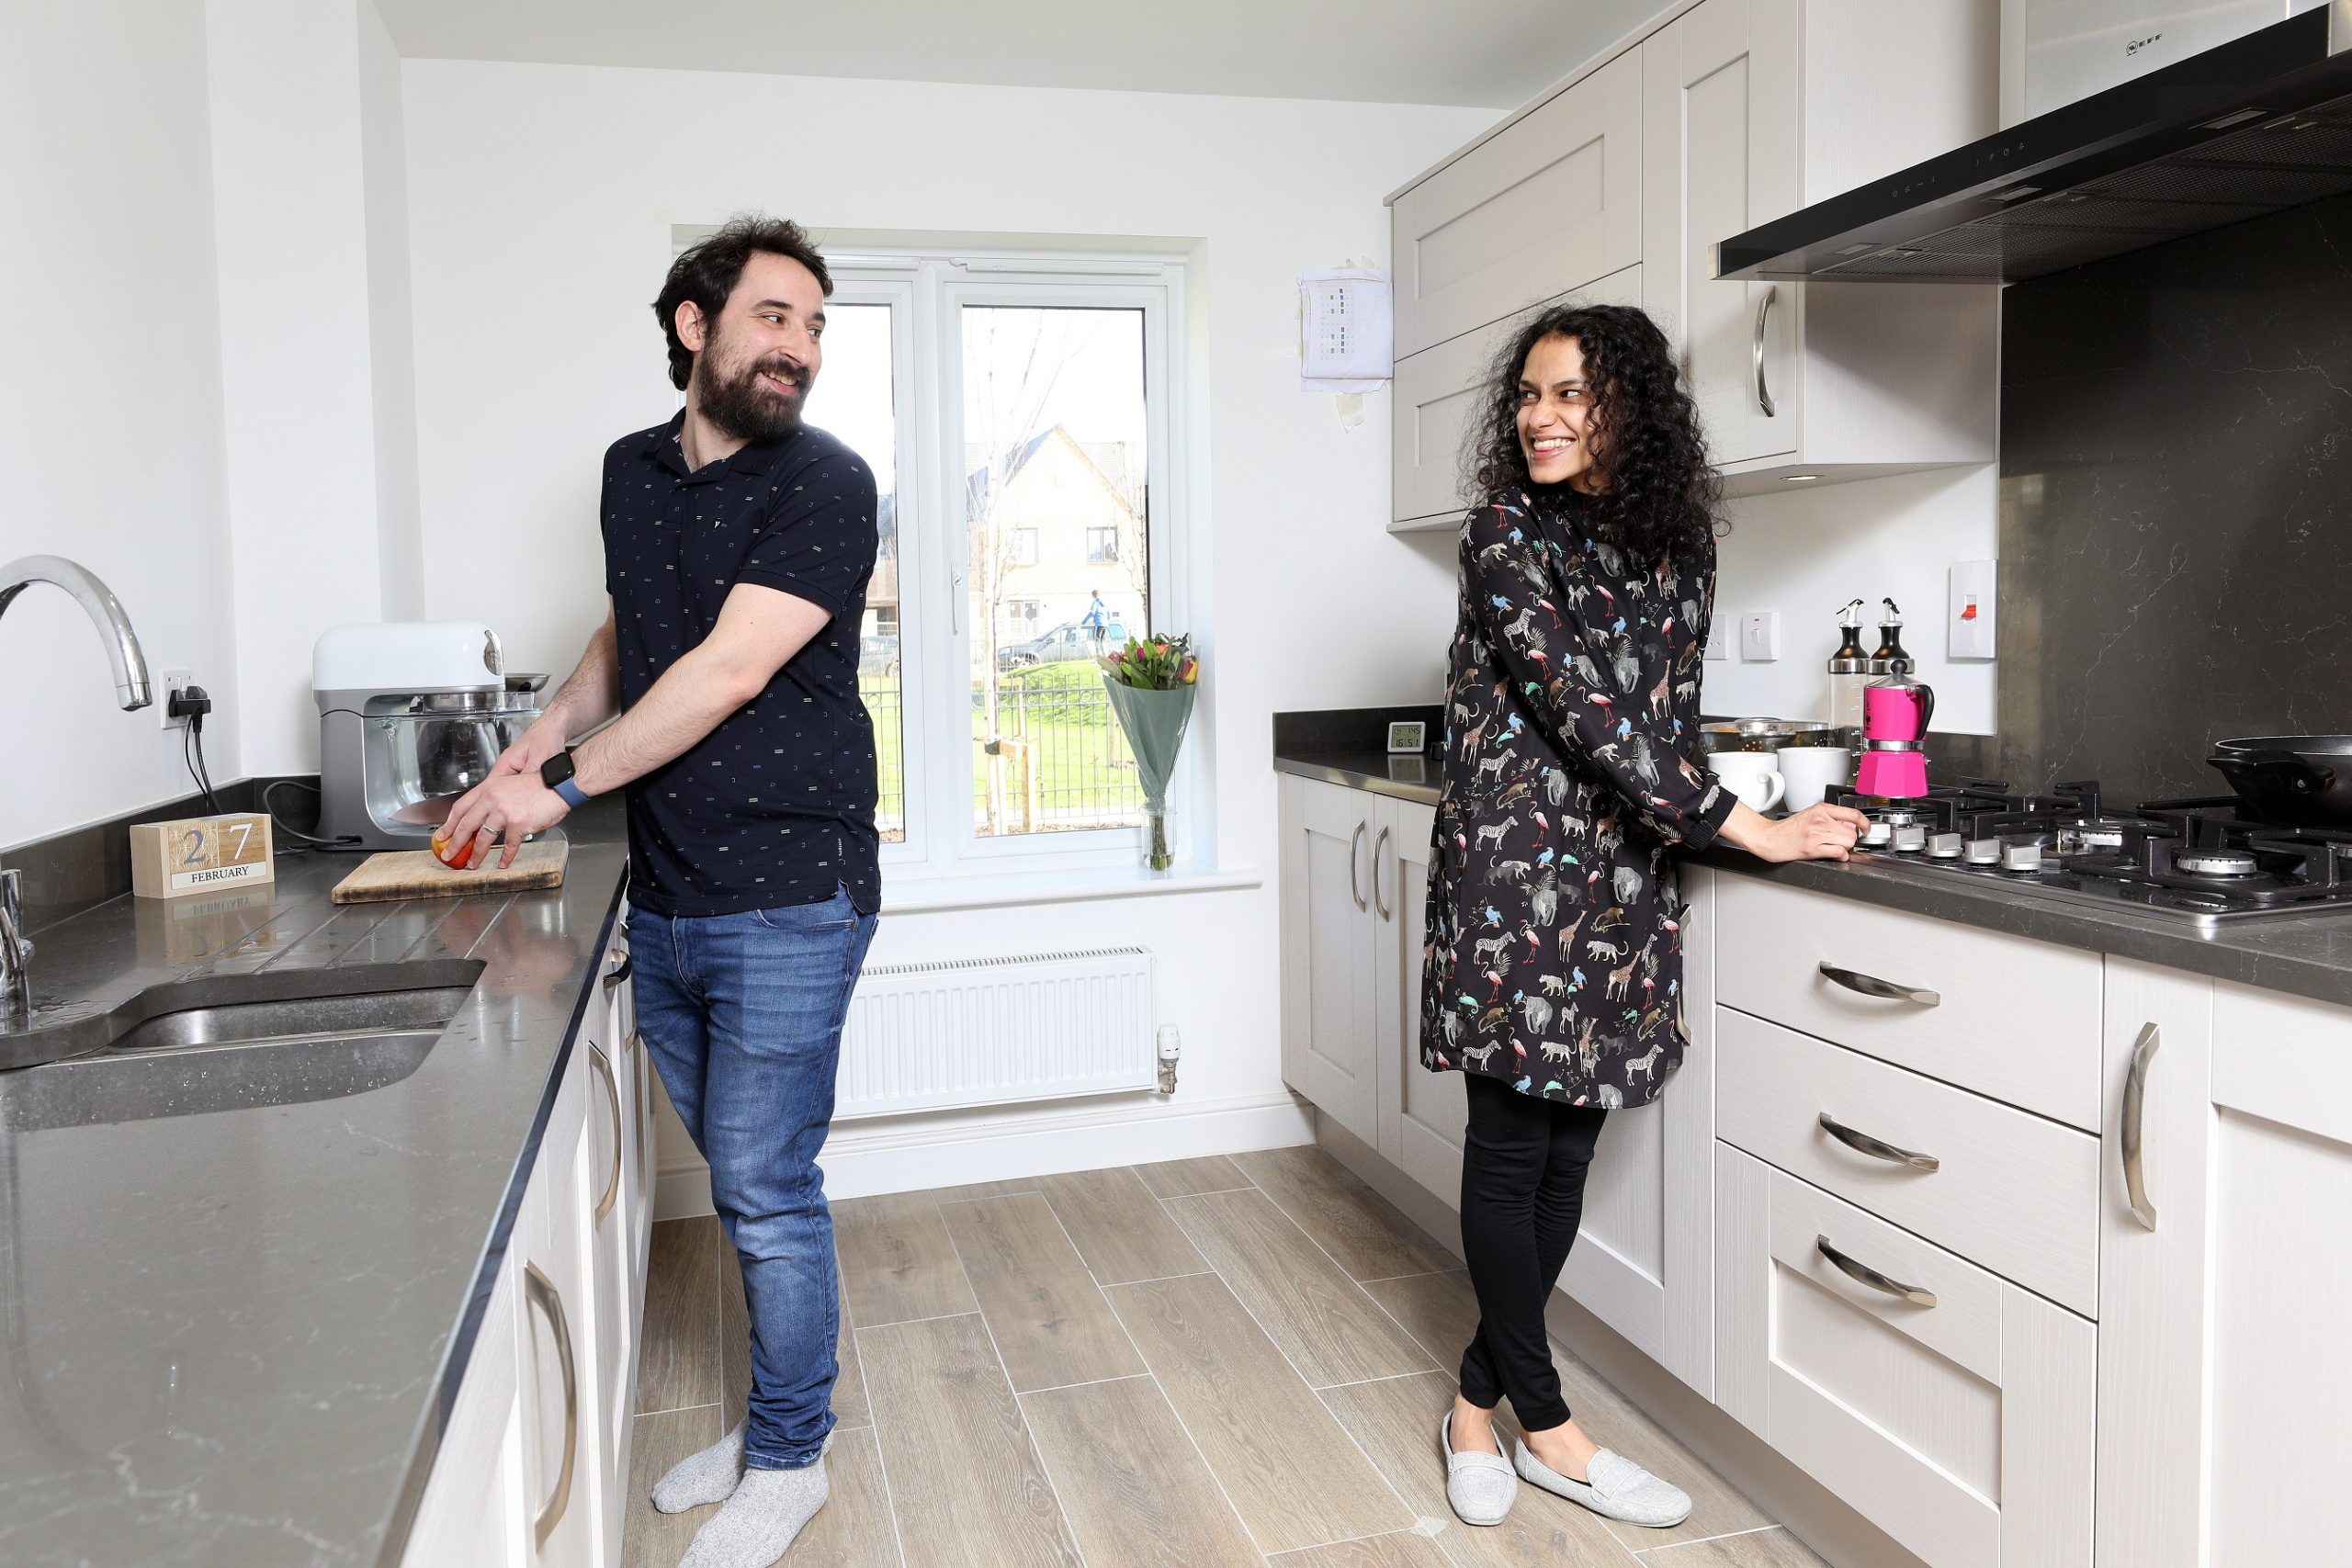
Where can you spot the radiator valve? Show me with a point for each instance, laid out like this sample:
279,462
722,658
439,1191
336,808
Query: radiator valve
1170,1048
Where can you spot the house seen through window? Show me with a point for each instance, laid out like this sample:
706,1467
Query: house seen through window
1014,415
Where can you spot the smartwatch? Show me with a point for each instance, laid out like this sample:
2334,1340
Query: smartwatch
556,773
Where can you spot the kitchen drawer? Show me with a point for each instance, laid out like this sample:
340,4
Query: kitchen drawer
2011,1018
1962,1429
2012,1191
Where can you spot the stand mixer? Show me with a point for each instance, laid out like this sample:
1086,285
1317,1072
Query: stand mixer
1895,711
411,715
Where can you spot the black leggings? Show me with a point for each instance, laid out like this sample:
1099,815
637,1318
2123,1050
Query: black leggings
1523,1164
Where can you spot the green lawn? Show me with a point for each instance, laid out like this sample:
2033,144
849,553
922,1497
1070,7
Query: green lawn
1086,775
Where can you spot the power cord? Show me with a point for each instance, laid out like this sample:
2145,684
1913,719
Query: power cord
192,702
310,841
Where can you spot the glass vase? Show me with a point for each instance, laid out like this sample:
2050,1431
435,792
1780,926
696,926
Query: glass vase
1158,850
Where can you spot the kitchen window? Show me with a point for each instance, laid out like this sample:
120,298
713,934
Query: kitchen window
1018,413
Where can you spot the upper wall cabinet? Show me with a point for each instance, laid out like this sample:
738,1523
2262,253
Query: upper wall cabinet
1551,202
1752,108
1733,113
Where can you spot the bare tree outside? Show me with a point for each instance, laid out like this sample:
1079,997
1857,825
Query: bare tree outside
1033,379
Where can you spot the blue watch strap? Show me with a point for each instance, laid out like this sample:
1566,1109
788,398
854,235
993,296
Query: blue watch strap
572,794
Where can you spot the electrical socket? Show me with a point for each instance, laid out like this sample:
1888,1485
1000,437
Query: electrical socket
172,683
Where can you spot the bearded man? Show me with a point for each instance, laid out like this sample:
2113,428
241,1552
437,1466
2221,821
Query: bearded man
737,544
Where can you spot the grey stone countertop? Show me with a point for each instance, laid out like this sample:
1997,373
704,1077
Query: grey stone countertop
231,1337
2308,955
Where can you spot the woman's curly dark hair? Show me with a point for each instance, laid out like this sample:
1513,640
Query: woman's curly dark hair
1662,496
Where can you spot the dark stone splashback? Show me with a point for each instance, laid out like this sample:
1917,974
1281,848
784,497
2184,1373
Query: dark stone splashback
2175,507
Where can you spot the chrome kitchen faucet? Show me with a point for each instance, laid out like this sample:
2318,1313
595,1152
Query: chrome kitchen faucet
106,613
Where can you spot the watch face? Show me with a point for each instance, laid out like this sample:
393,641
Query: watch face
556,769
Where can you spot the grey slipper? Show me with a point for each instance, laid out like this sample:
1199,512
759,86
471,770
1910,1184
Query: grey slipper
1479,1485
1614,1487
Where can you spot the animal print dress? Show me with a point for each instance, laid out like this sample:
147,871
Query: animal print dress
1554,954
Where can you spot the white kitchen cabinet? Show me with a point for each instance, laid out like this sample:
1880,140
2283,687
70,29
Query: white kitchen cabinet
1953,1409
1644,1258
1330,952
1550,202
2221,1379
1439,398
1421,1114
533,1462
1752,108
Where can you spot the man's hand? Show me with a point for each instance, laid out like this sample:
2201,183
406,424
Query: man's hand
507,805
534,746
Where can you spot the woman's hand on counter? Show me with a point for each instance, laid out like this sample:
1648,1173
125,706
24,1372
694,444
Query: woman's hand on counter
1818,832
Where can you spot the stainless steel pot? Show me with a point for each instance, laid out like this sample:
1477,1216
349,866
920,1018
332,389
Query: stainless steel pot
1764,734
2297,781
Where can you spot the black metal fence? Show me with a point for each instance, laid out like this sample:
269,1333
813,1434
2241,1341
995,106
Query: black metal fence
1055,759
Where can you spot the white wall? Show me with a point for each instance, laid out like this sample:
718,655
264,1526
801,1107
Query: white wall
1805,552
540,206
399,541
109,398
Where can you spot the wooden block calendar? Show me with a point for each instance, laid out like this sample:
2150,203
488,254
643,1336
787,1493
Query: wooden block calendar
202,854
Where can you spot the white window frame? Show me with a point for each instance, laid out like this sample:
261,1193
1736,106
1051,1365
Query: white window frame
930,285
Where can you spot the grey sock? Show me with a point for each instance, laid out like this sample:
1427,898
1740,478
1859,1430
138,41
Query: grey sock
759,1520
706,1477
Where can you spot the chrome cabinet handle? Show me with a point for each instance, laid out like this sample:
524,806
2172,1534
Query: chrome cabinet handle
619,967
1862,1142
1867,1275
2135,1112
603,1065
1355,888
1756,352
543,1295
1376,845
644,1100
1872,985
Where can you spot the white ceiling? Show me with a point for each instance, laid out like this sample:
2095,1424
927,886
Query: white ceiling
1478,53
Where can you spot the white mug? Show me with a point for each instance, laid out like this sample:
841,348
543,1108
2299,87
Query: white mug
1809,771
1754,776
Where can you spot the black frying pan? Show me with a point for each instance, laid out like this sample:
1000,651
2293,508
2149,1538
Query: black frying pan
2299,780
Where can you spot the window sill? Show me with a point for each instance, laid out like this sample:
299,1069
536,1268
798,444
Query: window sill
916,895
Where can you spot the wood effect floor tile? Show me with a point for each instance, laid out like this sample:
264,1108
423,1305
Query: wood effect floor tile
1774,1547
1183,1177
1130,1482
1440,1311
1290,1470
897,1262
735,1352
1322,1319
1051,1324
1368,1236
1119,1227
965,1193
854,1528
1397,1421
679,1366
965,1481
651,1539
1404,1550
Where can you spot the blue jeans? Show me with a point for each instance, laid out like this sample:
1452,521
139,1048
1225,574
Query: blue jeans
743,1014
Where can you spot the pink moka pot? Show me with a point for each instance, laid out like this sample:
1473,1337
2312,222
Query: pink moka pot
1895,710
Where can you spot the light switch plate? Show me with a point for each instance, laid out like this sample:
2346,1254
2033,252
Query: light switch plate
1759,636
1719,638
1972,613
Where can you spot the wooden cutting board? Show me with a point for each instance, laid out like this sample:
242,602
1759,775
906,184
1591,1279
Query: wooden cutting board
416,874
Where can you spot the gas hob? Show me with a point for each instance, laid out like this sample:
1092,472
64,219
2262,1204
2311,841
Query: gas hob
2194,860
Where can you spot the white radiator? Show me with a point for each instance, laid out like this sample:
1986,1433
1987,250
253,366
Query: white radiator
997,1031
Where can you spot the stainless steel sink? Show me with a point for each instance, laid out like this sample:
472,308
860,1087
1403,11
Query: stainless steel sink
237,1041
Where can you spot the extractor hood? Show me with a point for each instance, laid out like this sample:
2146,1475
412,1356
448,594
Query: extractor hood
2259,124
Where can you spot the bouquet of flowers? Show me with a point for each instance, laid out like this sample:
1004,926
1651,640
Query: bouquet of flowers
1152,684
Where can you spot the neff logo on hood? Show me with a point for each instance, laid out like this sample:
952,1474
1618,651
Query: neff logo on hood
2133,46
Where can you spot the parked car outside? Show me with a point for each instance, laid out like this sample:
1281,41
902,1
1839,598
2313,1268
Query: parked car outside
1067,641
